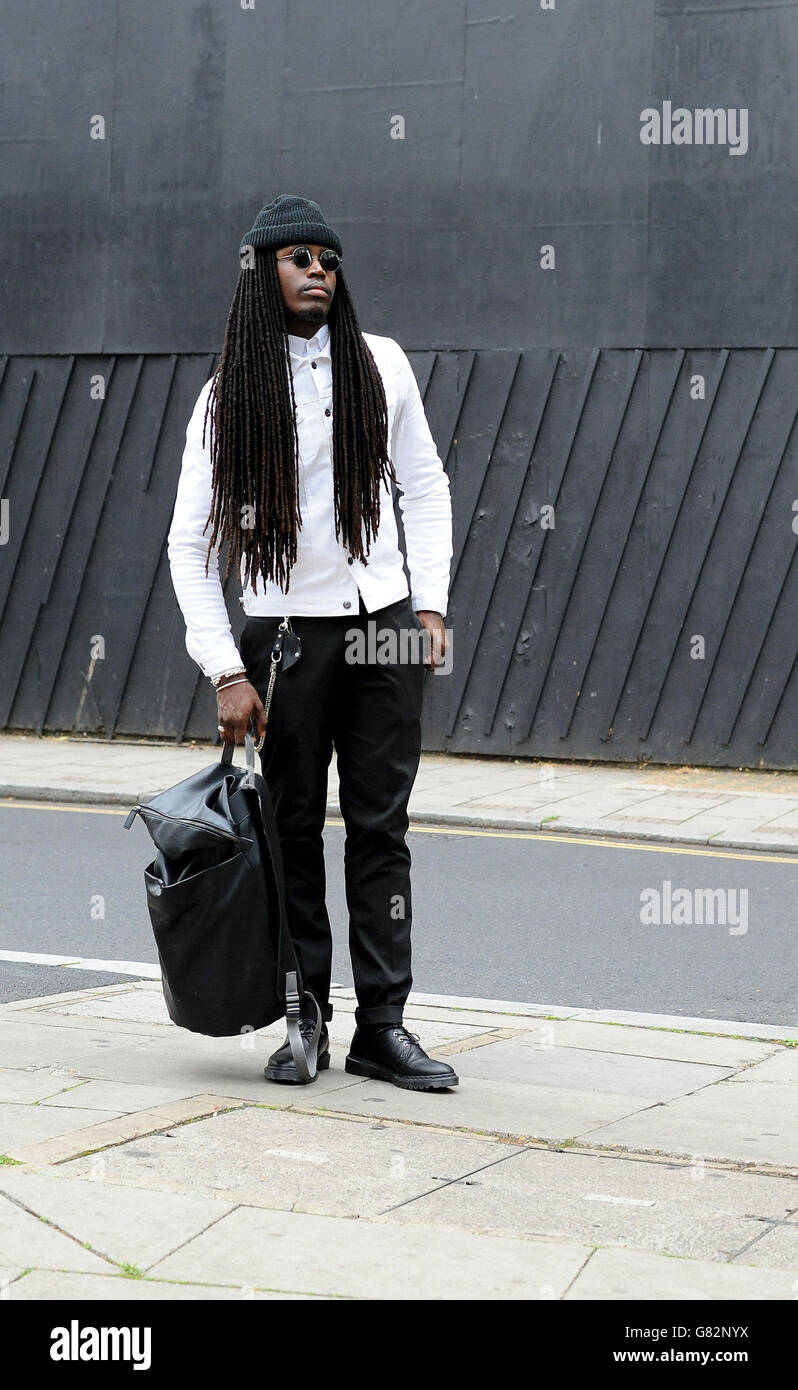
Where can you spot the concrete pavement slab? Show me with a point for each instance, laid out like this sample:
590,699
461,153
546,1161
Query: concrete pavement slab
129,1098
756,839
512,803
493,1107
25,1087
27,1242
645,1042
777,1248
194,1065
372,1259
39,1044
704,828
781,1068
311,1163
759,808
464,1009
647,1078
701,1027
148,1006
631,1274
23,1125
679,1209
126,1225
40,1285
746,1121
85,1138
368,1155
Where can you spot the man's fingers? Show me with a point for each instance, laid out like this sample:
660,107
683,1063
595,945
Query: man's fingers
236,707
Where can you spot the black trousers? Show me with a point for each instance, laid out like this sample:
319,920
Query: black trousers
371,714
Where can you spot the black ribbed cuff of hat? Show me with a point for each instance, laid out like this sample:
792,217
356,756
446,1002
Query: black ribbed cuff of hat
292,233
289,220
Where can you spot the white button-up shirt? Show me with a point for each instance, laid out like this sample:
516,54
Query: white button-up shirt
324,579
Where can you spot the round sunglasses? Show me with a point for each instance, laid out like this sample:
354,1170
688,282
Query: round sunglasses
302,258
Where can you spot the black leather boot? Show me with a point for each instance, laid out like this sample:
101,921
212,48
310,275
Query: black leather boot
388,1052
281,1066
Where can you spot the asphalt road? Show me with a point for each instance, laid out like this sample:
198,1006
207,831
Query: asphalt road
497,914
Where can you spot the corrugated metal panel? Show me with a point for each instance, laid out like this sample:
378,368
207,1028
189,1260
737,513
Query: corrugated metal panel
672,522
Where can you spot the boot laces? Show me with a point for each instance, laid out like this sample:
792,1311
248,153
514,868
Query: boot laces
405,1035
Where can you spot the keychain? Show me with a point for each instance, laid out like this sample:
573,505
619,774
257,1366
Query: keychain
287,650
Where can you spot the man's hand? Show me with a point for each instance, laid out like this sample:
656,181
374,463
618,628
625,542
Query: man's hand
433,622
235,707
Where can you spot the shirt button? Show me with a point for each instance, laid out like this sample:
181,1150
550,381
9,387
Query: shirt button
347,604
313,364
328,411
350,561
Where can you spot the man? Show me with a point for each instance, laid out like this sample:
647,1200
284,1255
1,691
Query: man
311,421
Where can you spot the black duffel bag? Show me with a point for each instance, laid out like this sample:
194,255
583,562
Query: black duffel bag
216,899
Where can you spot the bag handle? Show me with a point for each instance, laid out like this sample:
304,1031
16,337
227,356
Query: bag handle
249,749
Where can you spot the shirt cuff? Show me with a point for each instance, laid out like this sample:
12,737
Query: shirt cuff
433,601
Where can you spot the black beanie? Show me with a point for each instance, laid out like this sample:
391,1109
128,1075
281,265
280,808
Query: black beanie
289,219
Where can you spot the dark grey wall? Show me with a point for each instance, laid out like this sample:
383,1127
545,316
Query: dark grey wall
522,128
674,515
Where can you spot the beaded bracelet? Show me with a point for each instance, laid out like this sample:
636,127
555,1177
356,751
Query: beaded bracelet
236,671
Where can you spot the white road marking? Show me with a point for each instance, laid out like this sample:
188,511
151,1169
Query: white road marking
142,969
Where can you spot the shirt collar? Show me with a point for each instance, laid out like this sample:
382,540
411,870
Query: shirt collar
317,346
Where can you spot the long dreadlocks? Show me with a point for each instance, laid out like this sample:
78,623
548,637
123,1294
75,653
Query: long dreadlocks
254,436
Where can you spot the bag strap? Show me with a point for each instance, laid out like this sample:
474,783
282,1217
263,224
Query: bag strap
305,1059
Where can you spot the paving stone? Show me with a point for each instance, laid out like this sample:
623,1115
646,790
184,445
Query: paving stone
781,1068
37,1045
123,1126
702,1027
739,1120
579,1069
777,1249
137,1006
680,1209
458,1007
337,1167
737,837
21,1125
42,1285
127,1225
195,1065
645,1042
503,1107
129,1098
24,1087
627,1274
145,1006
27,1242
511,801
372,1259
759,808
